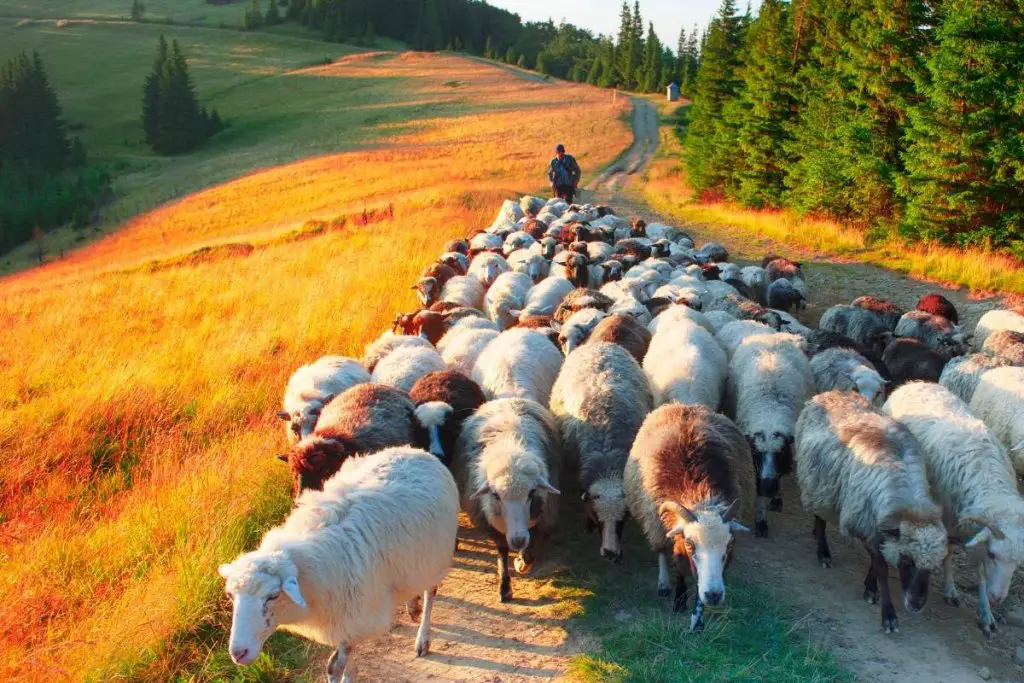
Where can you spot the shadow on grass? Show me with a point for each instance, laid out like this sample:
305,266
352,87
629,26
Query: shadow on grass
630,634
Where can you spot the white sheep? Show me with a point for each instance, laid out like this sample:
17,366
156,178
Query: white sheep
529,262
629,306
961,374
518,363
864,470
311,387
380,534
974,482
718,319
507,293
383,346
994,321
999,401
507,463
754,277
463,290
578,327
487,267
517,240
731,335
685,364
401,368
545,296
484,242
769,381
460,348
847,370
678,312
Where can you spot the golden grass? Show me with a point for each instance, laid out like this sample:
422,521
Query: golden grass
983,271
138,387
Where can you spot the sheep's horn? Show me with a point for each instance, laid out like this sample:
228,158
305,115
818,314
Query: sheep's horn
283,414
678,510
283,457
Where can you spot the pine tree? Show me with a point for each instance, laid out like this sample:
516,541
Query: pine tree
965,163
151,94
489,49
32,131
708,156
172,118
627,52
428,28
138,11
510,55
650,69
253,17
273,16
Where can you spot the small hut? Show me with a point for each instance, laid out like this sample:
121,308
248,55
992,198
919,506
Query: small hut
673,92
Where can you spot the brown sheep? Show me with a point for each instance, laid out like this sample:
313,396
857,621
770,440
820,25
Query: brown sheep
443,402
1007,344
624,330
887,312
460,246
581,298
936,304
432,281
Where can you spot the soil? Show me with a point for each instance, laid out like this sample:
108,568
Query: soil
476,638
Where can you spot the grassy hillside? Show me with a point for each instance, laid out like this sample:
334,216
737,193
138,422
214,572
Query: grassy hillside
141,374
179,11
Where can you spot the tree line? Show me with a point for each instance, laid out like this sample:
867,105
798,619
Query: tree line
904,115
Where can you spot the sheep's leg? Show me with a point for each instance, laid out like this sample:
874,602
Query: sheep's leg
339,668
889,622
824,554
871,583
697,617
760,519
950,594
423,635
775,505
986,622
663,588
679,602
414,608
505,588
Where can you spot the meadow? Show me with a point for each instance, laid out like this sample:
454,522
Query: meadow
178,11
141,373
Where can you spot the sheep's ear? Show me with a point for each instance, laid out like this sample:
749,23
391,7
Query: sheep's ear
482,491
546,487
290,587
283,457
982,536
1018,447
736,526
683,515
283,414
225,570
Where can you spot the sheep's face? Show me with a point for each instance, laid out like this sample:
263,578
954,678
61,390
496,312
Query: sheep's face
917,548
427,290
773,457
264,593
1002,552
869,384
604,504
952,345
704,537
314,460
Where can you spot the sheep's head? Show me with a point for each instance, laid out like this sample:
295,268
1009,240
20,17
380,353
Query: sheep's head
613,270
316,459
869,384
953,344
703,535
457,261
604,503
576,270
427,290
264,591
639,228
513,489
917,546
430,325
1001,547
300,423
773,458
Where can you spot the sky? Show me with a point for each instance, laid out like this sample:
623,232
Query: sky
602,16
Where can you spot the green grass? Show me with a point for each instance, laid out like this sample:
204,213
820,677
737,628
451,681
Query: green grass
178,11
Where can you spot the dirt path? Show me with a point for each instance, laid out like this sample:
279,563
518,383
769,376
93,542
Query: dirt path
475,638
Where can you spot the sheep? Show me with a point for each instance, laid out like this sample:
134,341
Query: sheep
936,304
364,419
517,240
487,267
405,365
443,402
712,253
529,263
545,296
599,401
578,327
624,330
884,310
531,206
847,370
464,290
864,470
460,246
1006,344
546,248
754,278
993,321
633,308
461,348
599,251
999,402
519,363
311,387
507,293
685,364
743,309
483,242
778,267
507,463
688,480
730,336
783,296
961,375
937,333
718,319
769,381
379,535
380,348
817,341
579,299
679,312
432,281
974,482
908,359
867,328
433,326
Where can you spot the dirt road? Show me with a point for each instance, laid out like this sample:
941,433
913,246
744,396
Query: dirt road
478,639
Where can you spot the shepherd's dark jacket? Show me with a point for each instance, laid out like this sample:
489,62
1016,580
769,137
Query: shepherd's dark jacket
565,171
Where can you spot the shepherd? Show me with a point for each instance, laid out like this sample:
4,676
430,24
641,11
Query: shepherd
564,174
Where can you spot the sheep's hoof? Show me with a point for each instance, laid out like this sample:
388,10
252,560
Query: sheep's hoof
423,647
987,626
696,624
952,600
825,561
664,591
761,528
891,625
505,597
870,596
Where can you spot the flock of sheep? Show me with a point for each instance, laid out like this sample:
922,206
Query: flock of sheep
566,344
